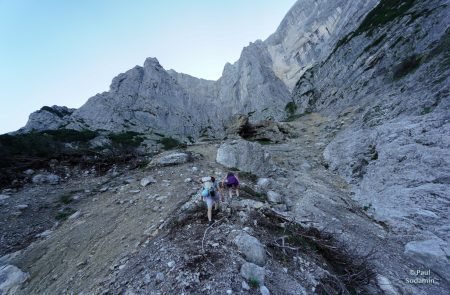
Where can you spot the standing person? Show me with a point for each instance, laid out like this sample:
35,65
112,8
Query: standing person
231,182
210,195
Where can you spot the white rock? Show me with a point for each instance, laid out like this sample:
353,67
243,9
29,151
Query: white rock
49,178
29,172
245,286
264,290
431,253
188,180
170,158
252,249
22,206
274,197
244,155
147,180
159,277
386,285
44,234
263,182
171,264
11,278
74,215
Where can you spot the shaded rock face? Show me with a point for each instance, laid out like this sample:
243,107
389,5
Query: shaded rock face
48,118
386,86
309,32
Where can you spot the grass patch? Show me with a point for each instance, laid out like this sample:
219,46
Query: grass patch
367,207
253,195
264,141
385,12
248,175
407,66
65,199
290,108
126,139
70,135
170,143
253,283
63,215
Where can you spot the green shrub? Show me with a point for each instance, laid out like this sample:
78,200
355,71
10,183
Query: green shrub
63,215
70,135
290,108
253,282
126,139
170,143
407,66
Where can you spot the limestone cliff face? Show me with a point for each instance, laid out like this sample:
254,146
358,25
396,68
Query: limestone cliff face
150,98
309,32
250,85
144,99
386,85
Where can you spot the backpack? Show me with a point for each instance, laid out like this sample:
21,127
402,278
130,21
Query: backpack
208,186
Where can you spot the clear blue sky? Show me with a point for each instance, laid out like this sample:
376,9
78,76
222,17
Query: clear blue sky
63,52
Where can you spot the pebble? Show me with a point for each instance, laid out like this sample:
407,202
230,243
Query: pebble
171,264
159,277
245,286
74,215
134,191
229,292
103,189
22,206
188,180
264,290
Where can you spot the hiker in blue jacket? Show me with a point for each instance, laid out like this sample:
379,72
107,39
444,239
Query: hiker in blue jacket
210,194
231,182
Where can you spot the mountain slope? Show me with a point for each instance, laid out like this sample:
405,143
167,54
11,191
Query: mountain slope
386,86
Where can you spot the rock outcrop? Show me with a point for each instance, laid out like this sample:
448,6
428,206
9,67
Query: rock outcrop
244,155
386,87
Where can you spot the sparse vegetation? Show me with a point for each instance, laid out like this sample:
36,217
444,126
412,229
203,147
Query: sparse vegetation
385,12
253,283
64,214
290,108
126,139
367,207
66,199
407,66
170,143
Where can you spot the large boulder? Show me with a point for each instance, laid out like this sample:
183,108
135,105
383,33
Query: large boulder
11,278
171,158
45,178
252,249
431,253
244,155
